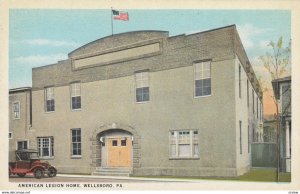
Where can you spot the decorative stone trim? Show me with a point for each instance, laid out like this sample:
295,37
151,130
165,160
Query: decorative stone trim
95,146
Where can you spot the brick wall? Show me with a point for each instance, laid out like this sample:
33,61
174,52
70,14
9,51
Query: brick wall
179,51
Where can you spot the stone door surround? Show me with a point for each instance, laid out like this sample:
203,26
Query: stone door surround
95,145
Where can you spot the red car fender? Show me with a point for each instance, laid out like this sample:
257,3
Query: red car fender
37,166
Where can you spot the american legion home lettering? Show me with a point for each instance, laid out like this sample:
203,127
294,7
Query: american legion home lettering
144,103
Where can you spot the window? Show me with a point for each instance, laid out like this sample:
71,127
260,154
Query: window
253,133
75,96
10,136
248,93
285,98
45,147
123,142
49,99
241,146
142,86
76,142
253,101
184,144
248,139
240,84
260,111
16,109
22,145
115,143
203,79
257,107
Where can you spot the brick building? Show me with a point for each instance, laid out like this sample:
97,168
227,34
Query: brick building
146,103
19,119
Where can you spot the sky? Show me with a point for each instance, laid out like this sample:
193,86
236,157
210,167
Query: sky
39,37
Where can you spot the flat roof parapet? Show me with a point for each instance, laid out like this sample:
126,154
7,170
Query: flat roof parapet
21,89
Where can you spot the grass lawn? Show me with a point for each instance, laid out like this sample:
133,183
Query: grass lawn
262,175
267,175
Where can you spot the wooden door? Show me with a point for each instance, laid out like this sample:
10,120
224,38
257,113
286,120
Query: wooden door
119,152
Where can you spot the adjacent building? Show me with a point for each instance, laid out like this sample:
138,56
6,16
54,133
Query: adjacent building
269,133
186,105
19,119
282,91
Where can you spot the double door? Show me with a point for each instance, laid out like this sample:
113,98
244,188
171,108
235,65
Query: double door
119,152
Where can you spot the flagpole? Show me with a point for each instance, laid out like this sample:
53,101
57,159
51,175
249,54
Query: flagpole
112,24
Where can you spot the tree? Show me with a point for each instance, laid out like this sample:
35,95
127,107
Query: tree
277,65
262,84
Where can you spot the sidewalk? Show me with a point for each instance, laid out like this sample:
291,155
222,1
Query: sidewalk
133,178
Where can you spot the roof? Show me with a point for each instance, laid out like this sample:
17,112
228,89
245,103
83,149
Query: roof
210,30
21,89
283,79
154,32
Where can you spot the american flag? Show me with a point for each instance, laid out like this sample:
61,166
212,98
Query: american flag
119,15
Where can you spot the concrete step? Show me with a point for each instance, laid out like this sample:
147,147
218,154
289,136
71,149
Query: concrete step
108,171
110,174
112,169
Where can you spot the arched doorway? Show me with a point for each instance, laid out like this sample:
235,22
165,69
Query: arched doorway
116,148
105,135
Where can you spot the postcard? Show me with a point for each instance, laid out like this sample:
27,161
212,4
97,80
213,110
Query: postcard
149,95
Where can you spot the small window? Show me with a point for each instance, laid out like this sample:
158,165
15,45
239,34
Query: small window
49,99
10,135
123,142
142,87
114,143
76,141
285,98
16,109
202,79
22,145
142,94
253,101
75,96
